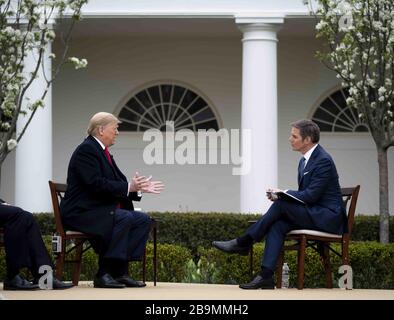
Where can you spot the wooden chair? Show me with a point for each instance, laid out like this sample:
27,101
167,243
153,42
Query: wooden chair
319,241
79,239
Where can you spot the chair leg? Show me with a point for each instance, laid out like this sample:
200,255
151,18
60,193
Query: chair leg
279,267
144,266
301,263
251,262
60,261
154,255
345,253
60,265
327,266
78,262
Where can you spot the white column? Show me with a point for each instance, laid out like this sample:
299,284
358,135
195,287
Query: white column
33,166
259,110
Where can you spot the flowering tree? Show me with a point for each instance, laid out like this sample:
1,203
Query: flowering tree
359,38
26,29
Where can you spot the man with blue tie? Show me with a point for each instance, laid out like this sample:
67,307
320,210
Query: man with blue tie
321,207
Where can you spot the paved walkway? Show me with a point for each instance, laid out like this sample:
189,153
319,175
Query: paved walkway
187,291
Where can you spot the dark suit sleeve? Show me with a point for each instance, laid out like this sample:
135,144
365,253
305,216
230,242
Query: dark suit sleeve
87,168
321,177
2,201
134,196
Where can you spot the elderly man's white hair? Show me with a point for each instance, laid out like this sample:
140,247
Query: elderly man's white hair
101,119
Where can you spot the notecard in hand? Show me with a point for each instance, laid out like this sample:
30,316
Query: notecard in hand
287,196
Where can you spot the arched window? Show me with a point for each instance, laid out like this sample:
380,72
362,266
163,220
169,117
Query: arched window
333,114
154,105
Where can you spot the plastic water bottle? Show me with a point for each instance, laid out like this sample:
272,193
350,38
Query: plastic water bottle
285,276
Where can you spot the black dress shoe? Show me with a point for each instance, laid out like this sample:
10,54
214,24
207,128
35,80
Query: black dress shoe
106,281
18,283
259,283
128,282
56,284
231,246
60,285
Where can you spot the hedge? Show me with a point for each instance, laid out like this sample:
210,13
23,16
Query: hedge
372,263
193,230
171,264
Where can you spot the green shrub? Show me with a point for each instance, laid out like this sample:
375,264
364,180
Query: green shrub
366,228
372,264
46,221
171,263
201,272
171,266
200,229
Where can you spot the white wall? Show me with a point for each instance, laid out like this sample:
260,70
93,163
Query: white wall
118,66
7,188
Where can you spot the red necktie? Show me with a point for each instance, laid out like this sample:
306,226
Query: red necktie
108,155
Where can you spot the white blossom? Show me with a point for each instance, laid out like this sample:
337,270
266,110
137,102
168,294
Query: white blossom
382,91
78,63
11,144
5,126
350,101
320,25
17,40
371,82
377,25
353,91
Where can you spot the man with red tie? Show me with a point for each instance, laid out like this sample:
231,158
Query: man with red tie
98,201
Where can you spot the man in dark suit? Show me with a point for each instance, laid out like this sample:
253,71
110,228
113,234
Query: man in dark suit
323,210
24,248
98,201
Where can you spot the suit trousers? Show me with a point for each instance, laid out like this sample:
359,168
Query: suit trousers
280,218
23,242
129,235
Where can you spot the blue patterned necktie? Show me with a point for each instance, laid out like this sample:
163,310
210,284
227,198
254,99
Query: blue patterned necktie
302,166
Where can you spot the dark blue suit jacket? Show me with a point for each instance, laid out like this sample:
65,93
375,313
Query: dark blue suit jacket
319,188
94,189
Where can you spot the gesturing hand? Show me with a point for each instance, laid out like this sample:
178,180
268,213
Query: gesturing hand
138,182
153,187
143,184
